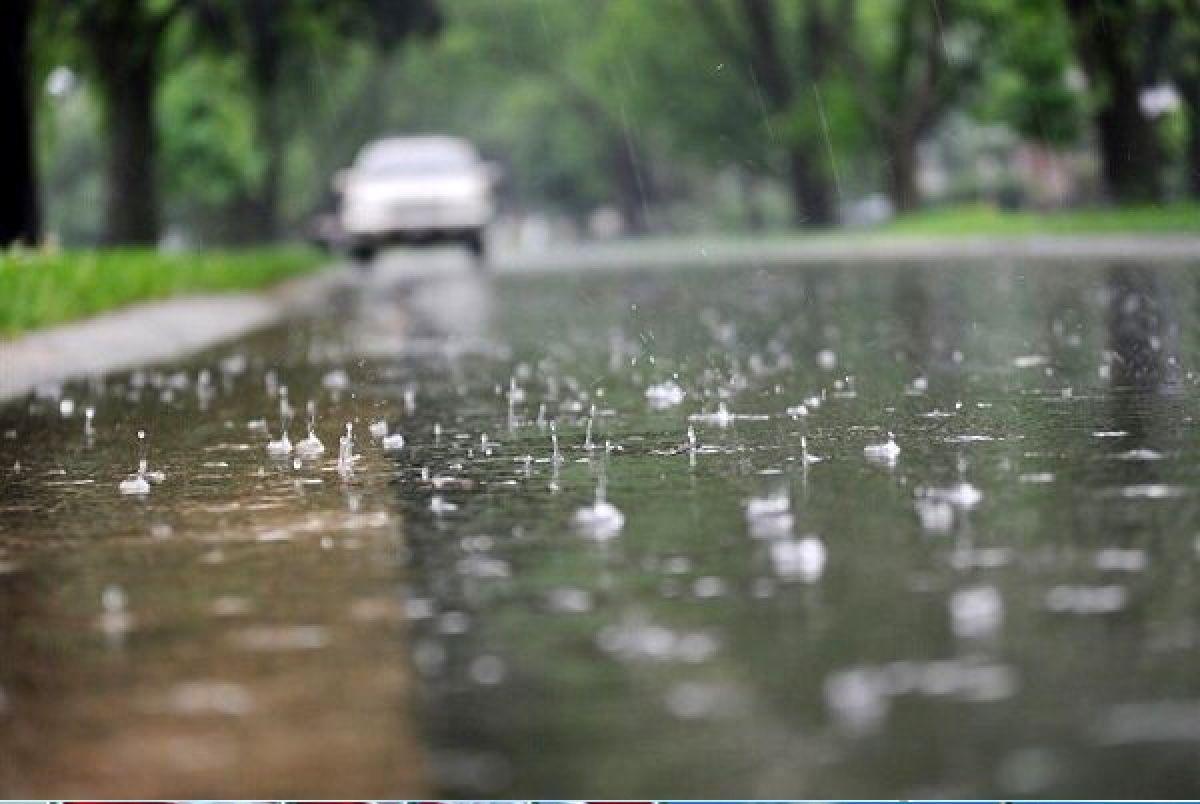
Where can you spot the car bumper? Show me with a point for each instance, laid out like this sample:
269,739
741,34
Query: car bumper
415,221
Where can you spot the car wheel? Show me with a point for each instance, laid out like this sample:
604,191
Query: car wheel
362,254
475,246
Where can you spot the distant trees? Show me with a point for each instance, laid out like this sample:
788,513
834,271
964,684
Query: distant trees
19,218
782,59
819,75
1110,41
122,43
1183,59
559,85
906,77
276,39
226,117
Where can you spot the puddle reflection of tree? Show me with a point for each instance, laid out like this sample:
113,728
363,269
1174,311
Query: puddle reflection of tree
1143,398
1143,336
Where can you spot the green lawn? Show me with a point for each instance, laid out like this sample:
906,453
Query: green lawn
980,219
38,290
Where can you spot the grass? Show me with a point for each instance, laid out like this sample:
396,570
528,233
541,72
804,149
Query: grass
981,219
41,289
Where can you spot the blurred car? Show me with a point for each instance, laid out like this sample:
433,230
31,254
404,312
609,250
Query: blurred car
415,190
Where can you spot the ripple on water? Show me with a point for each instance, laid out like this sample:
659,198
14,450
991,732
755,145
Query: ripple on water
280,638
1086,599
641,640
208,697
799,560
1161,721
1147,491
859,698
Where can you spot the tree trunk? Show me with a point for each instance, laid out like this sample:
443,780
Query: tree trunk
812,202
1190,90
128,83
902,172
267,200
1129,149
19,220
266,48
755,221
1193,150
629,182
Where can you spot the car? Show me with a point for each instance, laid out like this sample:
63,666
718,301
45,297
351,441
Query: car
415,191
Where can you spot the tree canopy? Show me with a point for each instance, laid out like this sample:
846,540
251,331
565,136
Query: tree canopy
223,120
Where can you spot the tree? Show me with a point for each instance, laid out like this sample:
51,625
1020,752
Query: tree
539,79
19,219
1026,70
123,42
910,65
276,38
1184,61
753,35
1107,38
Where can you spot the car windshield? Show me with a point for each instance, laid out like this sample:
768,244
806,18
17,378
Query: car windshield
415,158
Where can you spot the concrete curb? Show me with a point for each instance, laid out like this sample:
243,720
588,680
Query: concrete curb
149,332
872,249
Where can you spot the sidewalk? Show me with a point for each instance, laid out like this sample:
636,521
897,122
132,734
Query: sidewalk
145,333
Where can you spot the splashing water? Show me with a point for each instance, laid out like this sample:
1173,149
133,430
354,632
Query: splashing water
310,446
665,395
721,418
601,520
138,483
885,453
282,447
799,560
587,440
346,456
806,457
556,457
770,517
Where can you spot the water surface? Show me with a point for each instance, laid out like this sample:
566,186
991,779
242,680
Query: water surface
1006,608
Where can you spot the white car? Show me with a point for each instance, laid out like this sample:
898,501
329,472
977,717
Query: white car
415,190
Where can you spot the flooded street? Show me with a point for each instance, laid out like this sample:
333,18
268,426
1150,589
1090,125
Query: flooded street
646,534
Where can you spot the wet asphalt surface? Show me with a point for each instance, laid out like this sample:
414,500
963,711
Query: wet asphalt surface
772,606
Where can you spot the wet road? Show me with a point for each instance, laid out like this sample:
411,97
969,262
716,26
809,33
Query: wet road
774,607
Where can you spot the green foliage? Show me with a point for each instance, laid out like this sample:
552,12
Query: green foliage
39,289
1027,75
209,153
566,94
69,155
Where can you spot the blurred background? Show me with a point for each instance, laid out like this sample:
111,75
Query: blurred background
190,123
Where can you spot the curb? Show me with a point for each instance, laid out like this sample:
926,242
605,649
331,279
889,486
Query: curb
149,332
